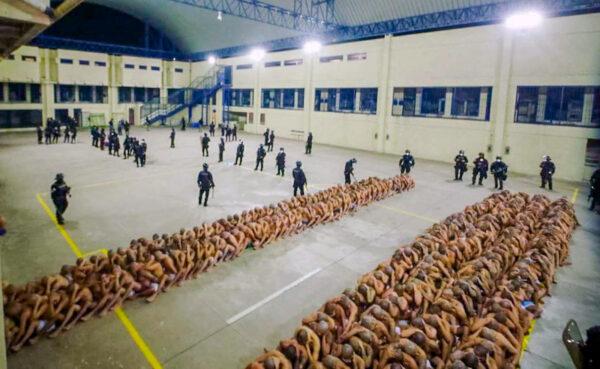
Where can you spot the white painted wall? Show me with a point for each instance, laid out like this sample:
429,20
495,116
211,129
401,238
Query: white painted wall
563,51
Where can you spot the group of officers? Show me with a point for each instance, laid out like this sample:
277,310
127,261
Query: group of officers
205,178
131,145
52,132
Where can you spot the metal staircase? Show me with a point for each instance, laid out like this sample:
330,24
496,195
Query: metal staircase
199,92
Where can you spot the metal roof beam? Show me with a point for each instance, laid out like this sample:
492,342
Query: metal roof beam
308,16
473,15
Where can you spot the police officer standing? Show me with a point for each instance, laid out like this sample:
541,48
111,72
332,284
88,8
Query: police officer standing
221,149
309,141
172,136
182,123
460,165
280,162
205,183
499,169
271,140
595,188
234,133
40,134
266,134
407,162
547,172
59,191
349,170
126,147
205,141
211,129
480,168
239,153
260,157
299,179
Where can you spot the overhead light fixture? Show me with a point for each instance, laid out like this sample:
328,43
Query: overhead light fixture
257,54
312,47
523,20
220,16
212,59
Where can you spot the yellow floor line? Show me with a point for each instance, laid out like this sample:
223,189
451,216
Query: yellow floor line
60,228
139,341
527,337
133,332
410,214
99,251
574,197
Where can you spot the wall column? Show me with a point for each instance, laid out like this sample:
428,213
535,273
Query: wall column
448,103
500,119
383,100
483,99
588,105
541,105
309,94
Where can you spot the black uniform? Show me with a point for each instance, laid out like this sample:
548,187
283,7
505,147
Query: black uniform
271,141
239,154
205,183
546,173
260,158
266,134
40,134
460,166
126,147
73,134
116,145
348,171
211,129
480,168
59,192
299,180
144,148
309,141
499,169
183,124
205,141
221,150
595,189
172,136
234,133
280,161
406,163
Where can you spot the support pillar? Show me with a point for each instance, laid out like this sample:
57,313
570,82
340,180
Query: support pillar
501,119
309,95
383,90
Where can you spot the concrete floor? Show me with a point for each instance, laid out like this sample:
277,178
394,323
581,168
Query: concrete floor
226,317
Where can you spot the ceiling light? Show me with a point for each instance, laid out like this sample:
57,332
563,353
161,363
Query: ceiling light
527,19
311,47
257,54
212,59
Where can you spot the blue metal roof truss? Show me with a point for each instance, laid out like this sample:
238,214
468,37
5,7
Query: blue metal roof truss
316,18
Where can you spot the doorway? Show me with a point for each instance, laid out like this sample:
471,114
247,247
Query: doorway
131,116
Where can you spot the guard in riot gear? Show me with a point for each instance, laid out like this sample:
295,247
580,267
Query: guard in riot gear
59,191
349,170
260,157
547,171
500,170
299,179
280,162
407,162
460,165
205,183
480,168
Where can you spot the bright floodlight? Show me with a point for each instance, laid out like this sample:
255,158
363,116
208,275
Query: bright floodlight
311,47
528,19
257,54
212,60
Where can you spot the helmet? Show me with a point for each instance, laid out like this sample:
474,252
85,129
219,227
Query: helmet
353,160
407,151
548,157
205,166
281,149
498,158
298,164
60,177
461,152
